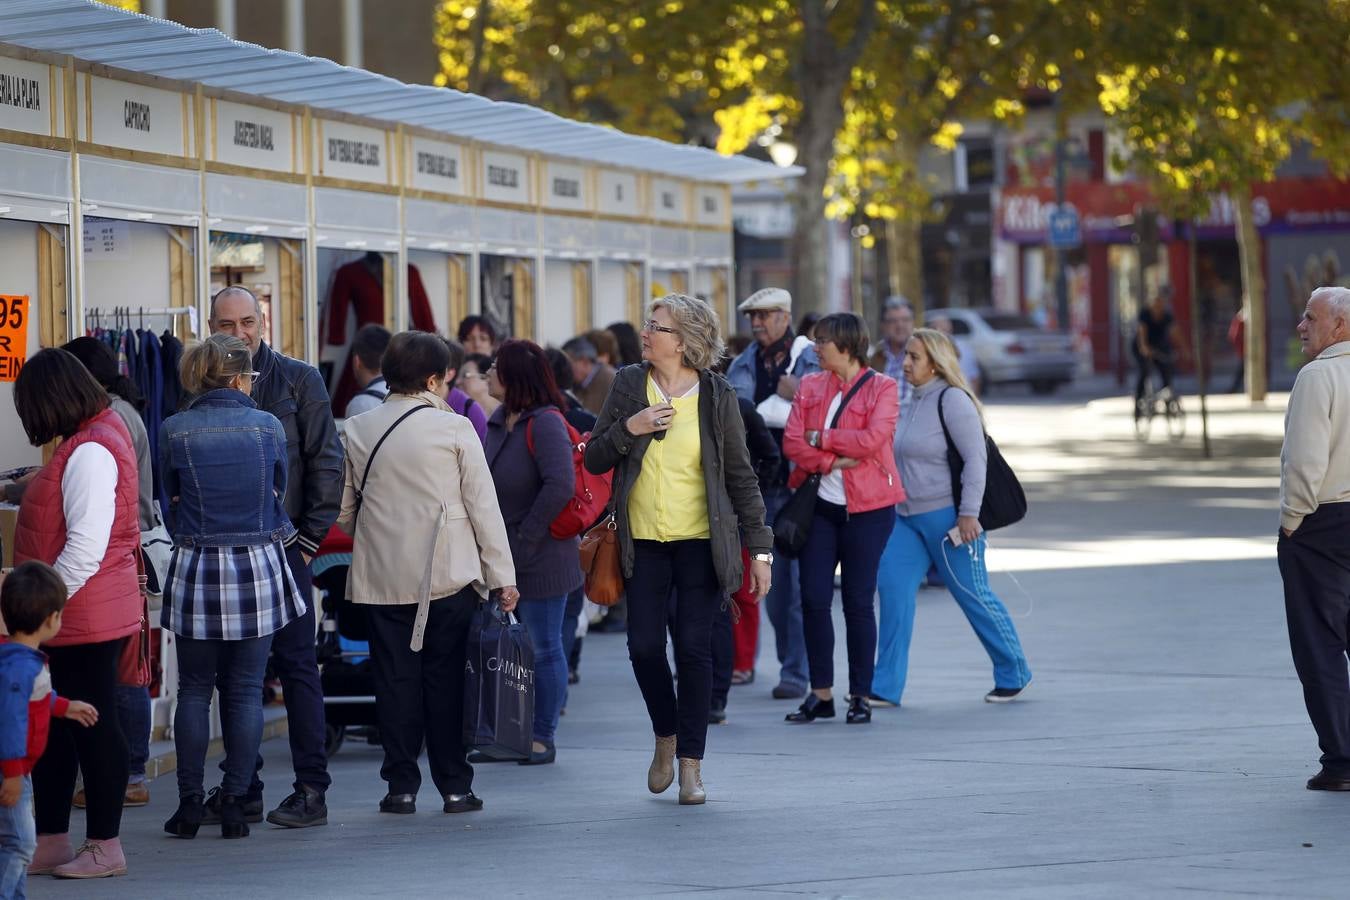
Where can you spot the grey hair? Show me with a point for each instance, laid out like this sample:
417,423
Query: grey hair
895,301
1337,298
698,326
580,348
236,289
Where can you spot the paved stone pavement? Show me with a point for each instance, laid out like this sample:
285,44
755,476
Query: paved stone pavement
1161,750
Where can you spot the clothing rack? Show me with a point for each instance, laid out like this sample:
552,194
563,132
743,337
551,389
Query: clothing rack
123,316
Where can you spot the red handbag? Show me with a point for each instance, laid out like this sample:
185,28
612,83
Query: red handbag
591,494
133,666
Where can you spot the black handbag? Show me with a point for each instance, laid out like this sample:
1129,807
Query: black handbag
498,685
1004,500
793,522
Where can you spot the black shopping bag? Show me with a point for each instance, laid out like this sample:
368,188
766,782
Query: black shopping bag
498,685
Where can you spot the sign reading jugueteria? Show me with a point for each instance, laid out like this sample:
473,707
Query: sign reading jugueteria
565,187
506,177
353,152
668,200
136,117
253,136
436,166
619,194
26,97
711,205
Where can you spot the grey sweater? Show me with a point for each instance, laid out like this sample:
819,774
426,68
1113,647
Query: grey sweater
921,451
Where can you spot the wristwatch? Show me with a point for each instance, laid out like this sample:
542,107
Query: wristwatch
763,557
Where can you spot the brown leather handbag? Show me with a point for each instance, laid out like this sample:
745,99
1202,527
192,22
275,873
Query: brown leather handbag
133,666
600,562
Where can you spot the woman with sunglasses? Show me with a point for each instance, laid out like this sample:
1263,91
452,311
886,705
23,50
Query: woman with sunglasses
684,492
229,588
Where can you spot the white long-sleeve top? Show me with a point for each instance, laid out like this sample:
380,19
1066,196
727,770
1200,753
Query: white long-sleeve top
1315,459
88,499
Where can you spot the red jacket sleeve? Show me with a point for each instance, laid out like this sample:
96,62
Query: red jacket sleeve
60,706
419,307
866,442
338,302
808,458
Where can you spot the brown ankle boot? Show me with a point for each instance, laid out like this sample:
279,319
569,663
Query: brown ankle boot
662,773
691,783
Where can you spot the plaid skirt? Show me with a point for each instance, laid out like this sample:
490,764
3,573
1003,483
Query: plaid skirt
230,593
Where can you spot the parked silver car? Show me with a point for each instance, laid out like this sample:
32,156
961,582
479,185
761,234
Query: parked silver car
1011,348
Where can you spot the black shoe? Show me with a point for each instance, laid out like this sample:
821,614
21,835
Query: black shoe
252,803
812,708
717,715
478,757
541,757
785,691
399,804
859,711
188,818
232,823
1328,781
302,809
1003,695
462,803
574,677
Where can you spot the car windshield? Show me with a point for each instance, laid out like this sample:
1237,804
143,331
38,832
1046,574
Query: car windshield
1008,322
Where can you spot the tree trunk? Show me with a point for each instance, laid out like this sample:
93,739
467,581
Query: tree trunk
1253,293
905,257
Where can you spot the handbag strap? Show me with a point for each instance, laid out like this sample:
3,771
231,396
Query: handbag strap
834,422
951,444
378,444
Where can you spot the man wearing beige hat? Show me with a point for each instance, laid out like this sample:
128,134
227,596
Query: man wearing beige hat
766,374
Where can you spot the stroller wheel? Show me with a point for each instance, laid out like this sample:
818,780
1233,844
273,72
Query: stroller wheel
333,736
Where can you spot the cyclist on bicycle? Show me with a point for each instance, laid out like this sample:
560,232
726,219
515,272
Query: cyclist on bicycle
1155,343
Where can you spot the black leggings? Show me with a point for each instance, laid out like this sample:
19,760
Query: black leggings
85,672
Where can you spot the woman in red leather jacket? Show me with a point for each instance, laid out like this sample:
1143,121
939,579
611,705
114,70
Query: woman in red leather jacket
855,506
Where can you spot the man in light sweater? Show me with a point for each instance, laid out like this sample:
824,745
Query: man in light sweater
1314,542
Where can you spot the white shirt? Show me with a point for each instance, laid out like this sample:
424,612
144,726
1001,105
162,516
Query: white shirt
832,485
88,500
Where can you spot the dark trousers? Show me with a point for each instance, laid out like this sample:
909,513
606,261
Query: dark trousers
686,566
85,672
421,695
1315,566
297,665
1163,367
854,544
724,652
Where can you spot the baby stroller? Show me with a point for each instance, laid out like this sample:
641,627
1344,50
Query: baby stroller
343,652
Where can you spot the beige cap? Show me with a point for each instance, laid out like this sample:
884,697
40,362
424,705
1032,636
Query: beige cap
768,298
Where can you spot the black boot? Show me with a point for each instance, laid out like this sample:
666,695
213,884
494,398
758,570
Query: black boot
188,818
232,820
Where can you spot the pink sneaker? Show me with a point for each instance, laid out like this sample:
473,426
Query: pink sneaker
52,850
96,859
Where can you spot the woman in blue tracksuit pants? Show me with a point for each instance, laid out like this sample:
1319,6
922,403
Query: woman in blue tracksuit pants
920,537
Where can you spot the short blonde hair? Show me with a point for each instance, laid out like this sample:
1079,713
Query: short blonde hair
698,327
946,360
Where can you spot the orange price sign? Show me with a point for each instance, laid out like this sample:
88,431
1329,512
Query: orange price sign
13,335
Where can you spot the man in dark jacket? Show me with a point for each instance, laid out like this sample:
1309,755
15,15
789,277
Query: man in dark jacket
294,392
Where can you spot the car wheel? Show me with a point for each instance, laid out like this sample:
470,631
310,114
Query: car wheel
1044,386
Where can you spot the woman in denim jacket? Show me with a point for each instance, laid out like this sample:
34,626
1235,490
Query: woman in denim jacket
229,588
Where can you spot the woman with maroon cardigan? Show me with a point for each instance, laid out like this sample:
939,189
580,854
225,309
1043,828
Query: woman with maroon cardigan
530,454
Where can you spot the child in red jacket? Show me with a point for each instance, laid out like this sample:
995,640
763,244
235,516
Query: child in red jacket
31,600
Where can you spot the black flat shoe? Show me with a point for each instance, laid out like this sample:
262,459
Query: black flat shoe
478,758
812,708
859,711
399,804
462,803
187,819
541,757
1328,781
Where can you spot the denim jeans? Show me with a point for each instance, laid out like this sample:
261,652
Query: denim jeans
576,602
237,667
18,842
543,619
783,604
915,543
133,711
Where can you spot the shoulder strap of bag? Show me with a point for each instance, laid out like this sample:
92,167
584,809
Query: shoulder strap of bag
834,422
529,429
378,444
951,445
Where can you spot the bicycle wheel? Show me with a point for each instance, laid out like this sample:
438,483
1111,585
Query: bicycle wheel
1176,420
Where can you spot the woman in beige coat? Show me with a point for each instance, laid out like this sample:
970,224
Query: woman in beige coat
429,547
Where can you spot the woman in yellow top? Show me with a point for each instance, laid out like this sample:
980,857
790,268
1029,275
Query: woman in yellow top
684,493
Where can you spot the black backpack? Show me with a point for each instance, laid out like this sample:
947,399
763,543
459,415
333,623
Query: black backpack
1004,500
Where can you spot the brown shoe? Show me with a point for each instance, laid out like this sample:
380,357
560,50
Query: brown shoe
691,783
78,801
662,772
137,794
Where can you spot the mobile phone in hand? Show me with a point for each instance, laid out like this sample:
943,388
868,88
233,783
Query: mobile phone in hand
955,536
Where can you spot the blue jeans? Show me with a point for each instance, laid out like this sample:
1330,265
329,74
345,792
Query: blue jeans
576,602
783,604
133,712
18,843
543,619
916,543
237,667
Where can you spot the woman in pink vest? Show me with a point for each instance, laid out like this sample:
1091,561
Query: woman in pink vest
79,515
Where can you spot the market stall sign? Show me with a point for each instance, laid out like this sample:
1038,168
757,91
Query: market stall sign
13,335
619,194
26,97
435,166
254,137
353,152
506,177
668,200
136,117
565,187
711,206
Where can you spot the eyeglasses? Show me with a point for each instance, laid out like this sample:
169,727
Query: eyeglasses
763,313
653,325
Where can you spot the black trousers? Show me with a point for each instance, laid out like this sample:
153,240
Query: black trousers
421,695
85,672
1315,566
686,566
1162,365
724,653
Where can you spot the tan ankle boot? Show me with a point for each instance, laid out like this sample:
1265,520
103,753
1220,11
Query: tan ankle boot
662,773
691,783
